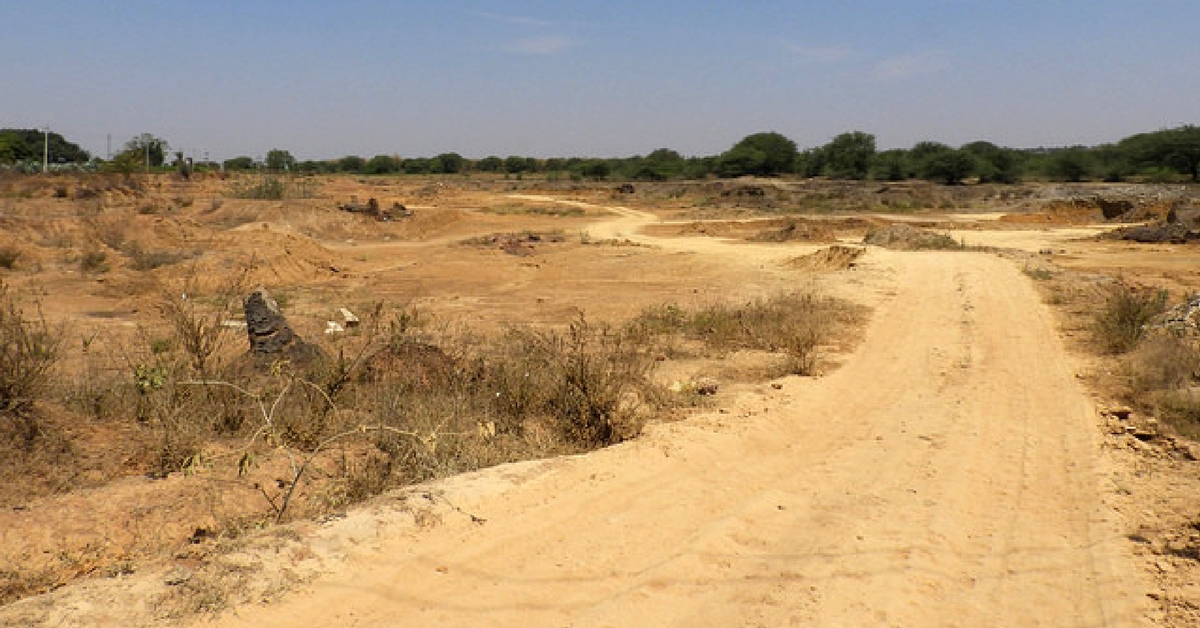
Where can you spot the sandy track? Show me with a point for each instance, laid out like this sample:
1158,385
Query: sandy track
946,475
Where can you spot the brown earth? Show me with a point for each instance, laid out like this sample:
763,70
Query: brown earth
954,470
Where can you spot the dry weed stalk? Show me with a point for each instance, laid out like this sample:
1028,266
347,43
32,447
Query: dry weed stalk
270,432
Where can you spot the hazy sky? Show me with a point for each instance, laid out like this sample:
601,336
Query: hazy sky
599,78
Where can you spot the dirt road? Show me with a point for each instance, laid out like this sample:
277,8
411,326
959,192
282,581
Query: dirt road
947,475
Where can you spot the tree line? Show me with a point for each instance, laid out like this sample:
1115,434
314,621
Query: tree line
1162,155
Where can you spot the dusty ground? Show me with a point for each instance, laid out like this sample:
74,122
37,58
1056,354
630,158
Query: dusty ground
953,471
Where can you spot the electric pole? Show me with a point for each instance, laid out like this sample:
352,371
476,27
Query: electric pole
46,149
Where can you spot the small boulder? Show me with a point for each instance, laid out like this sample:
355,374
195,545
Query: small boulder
271,337
266,327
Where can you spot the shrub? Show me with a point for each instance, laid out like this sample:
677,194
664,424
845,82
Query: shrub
1164,362
197,329
93,261
793,324
1181,409
593,374
1120,324
585,383
269,188
143,260
29,349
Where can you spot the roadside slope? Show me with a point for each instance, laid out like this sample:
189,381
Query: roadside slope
946,475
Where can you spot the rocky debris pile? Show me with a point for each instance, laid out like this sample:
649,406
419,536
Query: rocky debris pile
1161,233
271,337
519,244
904,237
1144,434
1181,320
1176,224
373,209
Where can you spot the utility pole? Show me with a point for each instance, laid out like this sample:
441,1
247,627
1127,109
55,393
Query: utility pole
46,149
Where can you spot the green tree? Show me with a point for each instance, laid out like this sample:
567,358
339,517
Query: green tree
148,146
279,160
848,156
28,145
383,164
937,162
491,163
451,163
761,154
994,164
810,163
11,148
890,165
125,162
514,164
351,163
596,169
1070,164
416,165
1177,149
660,165
239,164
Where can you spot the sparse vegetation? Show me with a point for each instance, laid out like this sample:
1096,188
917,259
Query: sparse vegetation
93,261
1120,323
161,384
792,324
270,188
29,350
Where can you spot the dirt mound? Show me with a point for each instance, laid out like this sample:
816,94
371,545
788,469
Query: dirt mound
904,237
794,229
268,256
836,257
1098,208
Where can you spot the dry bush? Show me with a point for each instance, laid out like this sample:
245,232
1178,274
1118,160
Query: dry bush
197,321
112,232
1163,362
594,373
793,324
143,259
271,187
93,261
29,350
1164,374
1120,323
1181,410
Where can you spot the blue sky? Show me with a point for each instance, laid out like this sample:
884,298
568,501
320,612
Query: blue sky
618,78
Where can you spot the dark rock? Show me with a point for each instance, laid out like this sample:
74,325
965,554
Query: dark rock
372,208
271,338
707,386
266,327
